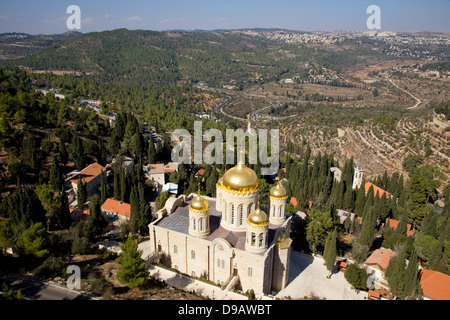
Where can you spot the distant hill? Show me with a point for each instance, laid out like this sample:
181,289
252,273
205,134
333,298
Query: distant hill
18,45
139,57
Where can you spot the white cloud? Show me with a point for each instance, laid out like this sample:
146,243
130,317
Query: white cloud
88,21
131,19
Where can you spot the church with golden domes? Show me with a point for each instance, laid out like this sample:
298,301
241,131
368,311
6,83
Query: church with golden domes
228,240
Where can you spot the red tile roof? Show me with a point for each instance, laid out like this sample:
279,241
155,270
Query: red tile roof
294,201
435,285
88,173
373,294
200,172
380,257
394,224
375,190
116,206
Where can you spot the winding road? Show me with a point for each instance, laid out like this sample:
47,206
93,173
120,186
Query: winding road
415,98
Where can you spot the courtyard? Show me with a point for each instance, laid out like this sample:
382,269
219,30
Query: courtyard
308,278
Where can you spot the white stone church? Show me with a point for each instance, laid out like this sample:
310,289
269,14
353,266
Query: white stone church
228,240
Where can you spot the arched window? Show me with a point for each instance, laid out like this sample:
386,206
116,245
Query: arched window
232,213
261,240
200,224
272,210
241,214
193,224
225,211
192,254
249,272
253,239
175,249
280,211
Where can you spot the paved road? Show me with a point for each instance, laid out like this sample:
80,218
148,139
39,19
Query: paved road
35,289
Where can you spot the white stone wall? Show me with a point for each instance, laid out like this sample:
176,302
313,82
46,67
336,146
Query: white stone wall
277,211
235,209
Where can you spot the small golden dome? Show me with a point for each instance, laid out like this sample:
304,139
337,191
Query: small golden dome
240,179
283,241
278,191
258,218
220,182
199,204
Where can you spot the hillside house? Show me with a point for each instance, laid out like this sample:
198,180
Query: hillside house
115,209
377,264
91,176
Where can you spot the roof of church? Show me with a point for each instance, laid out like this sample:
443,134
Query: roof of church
179,221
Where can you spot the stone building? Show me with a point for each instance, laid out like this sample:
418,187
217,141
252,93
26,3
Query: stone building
228,240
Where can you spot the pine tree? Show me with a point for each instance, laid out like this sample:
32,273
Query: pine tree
133,271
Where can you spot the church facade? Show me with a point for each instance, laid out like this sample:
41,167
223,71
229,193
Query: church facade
228,240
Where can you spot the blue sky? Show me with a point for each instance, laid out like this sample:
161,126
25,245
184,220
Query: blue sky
49,16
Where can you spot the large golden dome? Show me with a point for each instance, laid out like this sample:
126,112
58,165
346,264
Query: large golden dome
240,179
278,191
258,218
199,204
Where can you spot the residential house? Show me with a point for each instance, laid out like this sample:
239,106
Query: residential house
435,285
377,264
394,224
157,172
115,209
91,176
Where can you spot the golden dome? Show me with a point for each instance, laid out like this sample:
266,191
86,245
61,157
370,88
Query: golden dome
281,237
258,218
220,182
278,191
199,204
283,241
240,179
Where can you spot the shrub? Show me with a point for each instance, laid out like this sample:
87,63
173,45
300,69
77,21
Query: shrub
356,276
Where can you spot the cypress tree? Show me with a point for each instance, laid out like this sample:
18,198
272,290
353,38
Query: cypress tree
78,155
412,288
368,228
103,189
81,193
330,252
63,154
64,218
56,178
